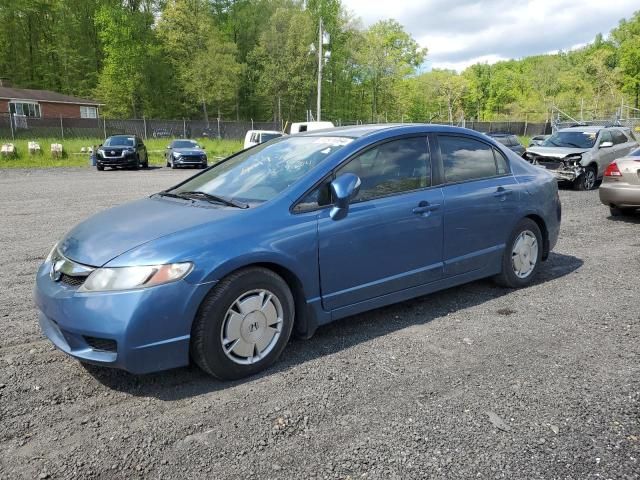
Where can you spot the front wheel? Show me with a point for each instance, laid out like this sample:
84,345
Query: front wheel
243,325
522,256
100,168
587,180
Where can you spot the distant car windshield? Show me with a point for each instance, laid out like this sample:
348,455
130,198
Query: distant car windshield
261,173
120,141
270,136
504,140
572,139
184,144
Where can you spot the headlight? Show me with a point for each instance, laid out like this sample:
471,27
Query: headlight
127,278
100,151
574,158
129,150
53,253
177,155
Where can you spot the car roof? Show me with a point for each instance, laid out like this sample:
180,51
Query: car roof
499,134
359,131
588,128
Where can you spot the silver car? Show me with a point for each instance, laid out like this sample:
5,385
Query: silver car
581,154
620,188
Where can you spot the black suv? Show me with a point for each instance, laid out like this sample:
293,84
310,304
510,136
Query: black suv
124,151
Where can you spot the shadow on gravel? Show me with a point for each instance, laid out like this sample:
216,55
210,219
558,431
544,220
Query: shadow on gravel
190,381
633,217
147,169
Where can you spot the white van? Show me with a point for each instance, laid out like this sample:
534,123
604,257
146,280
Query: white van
308,126
255,137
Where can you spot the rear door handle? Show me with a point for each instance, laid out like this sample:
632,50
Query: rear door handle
425,207
502,192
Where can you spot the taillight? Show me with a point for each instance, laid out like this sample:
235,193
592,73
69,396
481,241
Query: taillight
612,170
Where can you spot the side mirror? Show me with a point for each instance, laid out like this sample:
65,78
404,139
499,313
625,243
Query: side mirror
344,189
168,147
606,145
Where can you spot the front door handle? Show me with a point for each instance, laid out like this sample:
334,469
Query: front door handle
502,193
425,208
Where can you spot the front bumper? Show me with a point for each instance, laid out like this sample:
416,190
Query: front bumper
620,194
140,331
128,160
567,174
190,161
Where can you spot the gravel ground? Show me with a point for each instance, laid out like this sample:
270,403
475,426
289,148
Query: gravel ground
476,381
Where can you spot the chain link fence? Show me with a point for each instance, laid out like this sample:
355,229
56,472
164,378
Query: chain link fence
20,127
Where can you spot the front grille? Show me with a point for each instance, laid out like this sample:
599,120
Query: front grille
116,153
550,163
101,344
72,281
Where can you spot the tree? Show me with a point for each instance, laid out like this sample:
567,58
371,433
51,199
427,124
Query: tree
627,38
212,74
284,63
385,55
125,34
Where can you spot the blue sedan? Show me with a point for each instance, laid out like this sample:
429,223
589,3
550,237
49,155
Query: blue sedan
290,235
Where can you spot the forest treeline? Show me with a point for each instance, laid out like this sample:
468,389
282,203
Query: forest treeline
253,59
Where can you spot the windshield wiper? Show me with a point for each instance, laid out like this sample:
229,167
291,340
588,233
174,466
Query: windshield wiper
164,193
213,198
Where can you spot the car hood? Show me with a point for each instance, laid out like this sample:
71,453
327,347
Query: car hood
188,151
556,152
117,230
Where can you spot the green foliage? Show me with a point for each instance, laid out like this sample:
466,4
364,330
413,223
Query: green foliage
253,59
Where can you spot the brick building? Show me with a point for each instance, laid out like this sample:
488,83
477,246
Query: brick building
45,104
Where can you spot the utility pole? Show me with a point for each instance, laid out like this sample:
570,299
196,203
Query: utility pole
320,61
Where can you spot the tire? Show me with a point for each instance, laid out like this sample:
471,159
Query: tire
621,212
245,288
587,181
100,168
173,165
509,276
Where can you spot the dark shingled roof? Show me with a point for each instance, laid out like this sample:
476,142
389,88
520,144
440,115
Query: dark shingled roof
8,93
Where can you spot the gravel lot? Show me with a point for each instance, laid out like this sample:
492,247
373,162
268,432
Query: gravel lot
476,381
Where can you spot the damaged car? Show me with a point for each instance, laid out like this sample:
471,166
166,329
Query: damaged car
581,154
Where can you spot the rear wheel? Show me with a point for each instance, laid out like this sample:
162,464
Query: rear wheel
587,180
522,256
243,325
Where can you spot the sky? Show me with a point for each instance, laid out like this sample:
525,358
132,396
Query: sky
459,33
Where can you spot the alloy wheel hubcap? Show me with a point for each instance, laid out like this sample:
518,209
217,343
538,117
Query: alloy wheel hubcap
524,255
252,326
589,179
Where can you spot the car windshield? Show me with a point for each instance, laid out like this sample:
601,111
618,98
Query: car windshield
184,144
120,141
573,139
261,173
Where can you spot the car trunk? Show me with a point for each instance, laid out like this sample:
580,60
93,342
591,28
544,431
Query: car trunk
630,170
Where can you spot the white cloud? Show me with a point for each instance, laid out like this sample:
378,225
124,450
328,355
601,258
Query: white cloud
460,33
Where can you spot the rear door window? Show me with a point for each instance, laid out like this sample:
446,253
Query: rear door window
465,159
618,137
